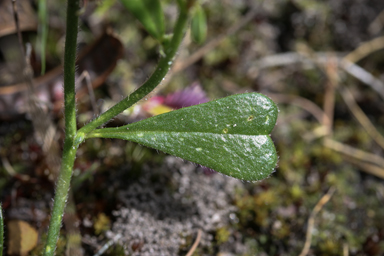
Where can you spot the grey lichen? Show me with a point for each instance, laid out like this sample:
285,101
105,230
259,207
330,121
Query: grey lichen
157,218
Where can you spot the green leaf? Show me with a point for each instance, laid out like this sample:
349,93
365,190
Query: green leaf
150,14
199,26
229,135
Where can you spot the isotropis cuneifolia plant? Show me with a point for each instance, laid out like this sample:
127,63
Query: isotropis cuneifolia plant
229,135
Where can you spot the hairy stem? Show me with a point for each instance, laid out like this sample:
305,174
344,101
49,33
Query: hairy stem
155,79
70,146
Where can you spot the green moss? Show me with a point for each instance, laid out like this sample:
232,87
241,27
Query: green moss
296,192
101,223
222,235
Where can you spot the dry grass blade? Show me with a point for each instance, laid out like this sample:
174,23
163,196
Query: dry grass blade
333,78
329,95
311,220
363,76
301,102
359,53
377,24
107,245
347,96
195,244
359,157
345,249
292,58
365,49
367,167
354,152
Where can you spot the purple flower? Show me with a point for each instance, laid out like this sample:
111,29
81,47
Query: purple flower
192,95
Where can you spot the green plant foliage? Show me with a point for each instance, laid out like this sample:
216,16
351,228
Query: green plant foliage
199,26
229,135
150,14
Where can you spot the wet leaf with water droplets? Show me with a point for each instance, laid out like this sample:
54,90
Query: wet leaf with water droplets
229,135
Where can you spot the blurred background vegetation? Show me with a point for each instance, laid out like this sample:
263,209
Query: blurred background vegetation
320,61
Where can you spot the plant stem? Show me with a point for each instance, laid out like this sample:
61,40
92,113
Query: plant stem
70,146
69,69
61,195
155,79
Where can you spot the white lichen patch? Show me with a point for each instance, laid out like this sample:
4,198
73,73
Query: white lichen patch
159,217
